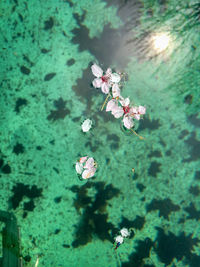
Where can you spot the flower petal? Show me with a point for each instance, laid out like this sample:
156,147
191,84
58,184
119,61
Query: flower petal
87,124
108,72
141,110
117,112
89,163
88,173
115,78
79,167
136,116
97,83
105,87
83,159
128,122
110,105
96,70
125,102
115,90
124,232
119,239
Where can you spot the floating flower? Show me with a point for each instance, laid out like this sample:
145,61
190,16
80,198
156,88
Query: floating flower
101,81
86,125
86,167
118,106
124,232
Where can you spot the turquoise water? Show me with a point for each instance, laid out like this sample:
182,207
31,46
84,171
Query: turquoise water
47,49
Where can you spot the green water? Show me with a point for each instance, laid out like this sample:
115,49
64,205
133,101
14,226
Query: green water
47,49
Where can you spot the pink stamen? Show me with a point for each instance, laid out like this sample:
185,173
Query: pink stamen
126,109
104,79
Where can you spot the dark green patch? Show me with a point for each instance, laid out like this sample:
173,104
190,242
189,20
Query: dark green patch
49,76
20,191
194,190
170,246
18,149
188,99
19,103
94,216
154,168
165,207
146,123
193,212
138,223
155,153
60,112
194,146
140,187
141,252
6,169
25,70
48,24
70,62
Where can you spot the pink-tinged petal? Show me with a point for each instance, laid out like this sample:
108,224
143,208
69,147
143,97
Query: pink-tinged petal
88,173
136,116
141,110
83,159
115,77
108,72
125,102
128,122
97,83
115,90
89,163
134,110
117,112
105,88
110,105
96,70
79,167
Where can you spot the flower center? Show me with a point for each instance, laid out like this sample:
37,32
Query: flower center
126,109
104,79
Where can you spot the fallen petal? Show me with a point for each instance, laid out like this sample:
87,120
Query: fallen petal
79,167
117,112
124,232
87,124
97,83
115,78
88,173
96,70
110,105
89,163
105,87
83,159
128,122
125,102
141,110
115,90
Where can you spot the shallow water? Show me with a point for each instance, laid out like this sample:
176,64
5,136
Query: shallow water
47,49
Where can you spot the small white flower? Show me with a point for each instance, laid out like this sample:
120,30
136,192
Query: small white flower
119,239
86,125
86,167
124,232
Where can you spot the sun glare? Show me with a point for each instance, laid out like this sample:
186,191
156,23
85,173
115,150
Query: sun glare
161,41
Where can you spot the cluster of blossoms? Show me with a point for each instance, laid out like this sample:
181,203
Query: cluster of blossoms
124,232
86,167
118,106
